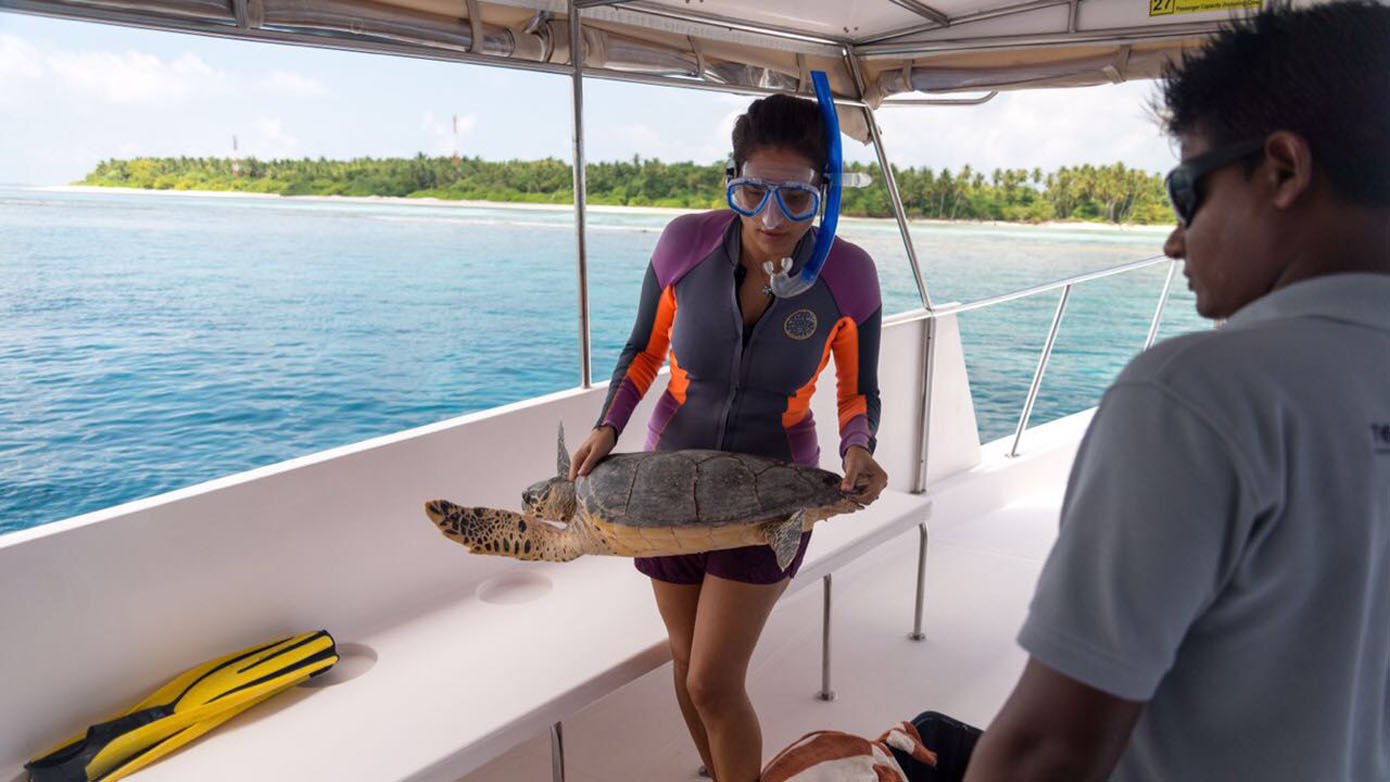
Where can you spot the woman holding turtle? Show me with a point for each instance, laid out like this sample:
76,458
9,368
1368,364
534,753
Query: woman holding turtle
744,364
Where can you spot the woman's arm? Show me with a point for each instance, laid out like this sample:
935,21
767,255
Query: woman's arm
643,355
641,359
855,347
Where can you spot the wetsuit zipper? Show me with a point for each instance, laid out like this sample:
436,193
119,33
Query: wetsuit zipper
740,359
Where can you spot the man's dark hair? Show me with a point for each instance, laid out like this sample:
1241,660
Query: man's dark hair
781,121
1322,72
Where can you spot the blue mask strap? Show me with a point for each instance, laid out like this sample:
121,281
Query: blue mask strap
781,283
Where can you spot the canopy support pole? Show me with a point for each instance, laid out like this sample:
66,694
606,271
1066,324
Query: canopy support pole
581,254
919,483
889,181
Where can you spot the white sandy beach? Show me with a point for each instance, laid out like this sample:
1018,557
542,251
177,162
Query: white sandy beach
1073,225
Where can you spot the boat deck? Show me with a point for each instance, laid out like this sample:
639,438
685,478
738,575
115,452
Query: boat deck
980,576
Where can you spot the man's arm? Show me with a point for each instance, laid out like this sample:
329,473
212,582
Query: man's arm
1155,518
1053,728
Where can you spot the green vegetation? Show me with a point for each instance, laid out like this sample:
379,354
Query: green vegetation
1095,193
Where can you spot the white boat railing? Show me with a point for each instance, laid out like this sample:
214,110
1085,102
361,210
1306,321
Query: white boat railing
1065,285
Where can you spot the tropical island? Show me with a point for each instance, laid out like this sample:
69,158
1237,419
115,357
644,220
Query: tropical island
1107,194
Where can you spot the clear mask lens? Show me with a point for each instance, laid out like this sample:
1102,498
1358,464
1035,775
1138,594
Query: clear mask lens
799,202
747,197
795,201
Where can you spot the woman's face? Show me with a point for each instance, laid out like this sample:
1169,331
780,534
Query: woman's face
770,234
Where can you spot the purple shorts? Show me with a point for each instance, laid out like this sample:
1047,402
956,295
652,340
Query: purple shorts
749,565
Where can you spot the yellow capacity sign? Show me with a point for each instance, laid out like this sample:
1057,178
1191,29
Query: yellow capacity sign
1169,7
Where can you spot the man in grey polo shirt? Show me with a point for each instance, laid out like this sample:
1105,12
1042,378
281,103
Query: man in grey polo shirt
1217,605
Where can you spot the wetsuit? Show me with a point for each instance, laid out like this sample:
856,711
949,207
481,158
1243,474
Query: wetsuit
746,389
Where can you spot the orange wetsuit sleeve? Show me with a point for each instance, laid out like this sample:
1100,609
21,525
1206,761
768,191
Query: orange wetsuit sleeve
644,353
855,348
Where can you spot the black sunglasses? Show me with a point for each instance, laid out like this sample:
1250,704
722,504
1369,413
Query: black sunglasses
1184,182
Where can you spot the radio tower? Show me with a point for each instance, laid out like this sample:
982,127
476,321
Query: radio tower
456,141
236,160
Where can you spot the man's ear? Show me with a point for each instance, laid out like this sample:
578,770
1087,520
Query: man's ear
1289,166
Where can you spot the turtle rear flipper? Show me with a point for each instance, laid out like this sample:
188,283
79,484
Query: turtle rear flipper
785,537
506,533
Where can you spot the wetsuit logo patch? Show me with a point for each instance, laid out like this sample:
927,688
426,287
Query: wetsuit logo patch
1380,437
800,324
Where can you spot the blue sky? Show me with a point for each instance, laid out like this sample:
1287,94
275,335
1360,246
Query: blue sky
74,93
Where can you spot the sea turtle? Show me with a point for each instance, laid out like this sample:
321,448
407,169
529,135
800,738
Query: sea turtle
654,504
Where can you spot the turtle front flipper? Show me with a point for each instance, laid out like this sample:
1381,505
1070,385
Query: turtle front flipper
785,537
507,533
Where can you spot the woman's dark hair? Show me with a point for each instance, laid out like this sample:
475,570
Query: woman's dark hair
781,121
1322,72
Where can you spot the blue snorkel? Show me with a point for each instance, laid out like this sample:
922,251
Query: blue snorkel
782,283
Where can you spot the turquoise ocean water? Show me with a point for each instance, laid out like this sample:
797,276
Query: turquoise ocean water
150,342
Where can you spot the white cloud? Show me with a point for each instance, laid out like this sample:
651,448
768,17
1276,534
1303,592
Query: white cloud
135,77
640,139
1026,129
19,59
124,77
725,133
271,139
21,66
291,83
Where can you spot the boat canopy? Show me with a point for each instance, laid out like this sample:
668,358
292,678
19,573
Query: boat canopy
899,47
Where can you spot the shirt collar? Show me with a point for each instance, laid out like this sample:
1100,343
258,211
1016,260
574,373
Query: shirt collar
1352,298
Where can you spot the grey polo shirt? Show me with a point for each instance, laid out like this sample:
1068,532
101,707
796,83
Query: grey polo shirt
1224,551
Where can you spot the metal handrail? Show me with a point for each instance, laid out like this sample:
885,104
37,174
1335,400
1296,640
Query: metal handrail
1065,285
1162,300
912,316
1042,367
1023,293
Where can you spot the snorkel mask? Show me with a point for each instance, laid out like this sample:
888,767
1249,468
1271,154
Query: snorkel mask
797,201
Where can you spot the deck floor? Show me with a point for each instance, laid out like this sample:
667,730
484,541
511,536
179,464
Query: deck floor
980,576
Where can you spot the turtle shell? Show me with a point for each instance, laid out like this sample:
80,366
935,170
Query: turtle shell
695,488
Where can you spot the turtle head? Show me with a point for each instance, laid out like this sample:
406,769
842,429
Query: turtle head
552,498
844,502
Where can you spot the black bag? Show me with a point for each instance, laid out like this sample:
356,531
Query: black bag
953,742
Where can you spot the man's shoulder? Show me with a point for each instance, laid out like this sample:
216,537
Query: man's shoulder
1226,354
1226,377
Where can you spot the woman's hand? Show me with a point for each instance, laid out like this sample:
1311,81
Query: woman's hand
863,476
590,452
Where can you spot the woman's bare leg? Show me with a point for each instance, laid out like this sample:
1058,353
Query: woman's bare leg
730,617
678,604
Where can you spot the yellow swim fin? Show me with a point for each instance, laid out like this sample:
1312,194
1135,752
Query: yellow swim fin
193,703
